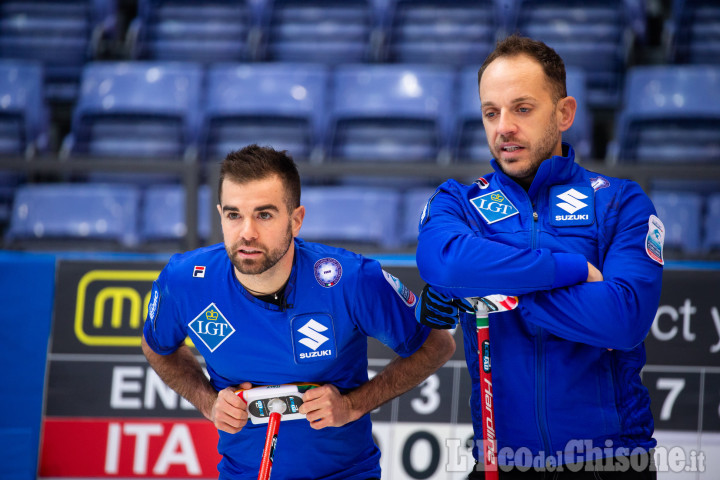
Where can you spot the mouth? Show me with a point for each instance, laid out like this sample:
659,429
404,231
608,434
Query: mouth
248,252
510,151
510,147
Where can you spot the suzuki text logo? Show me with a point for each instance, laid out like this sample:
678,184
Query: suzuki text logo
572,201
576,207
314,338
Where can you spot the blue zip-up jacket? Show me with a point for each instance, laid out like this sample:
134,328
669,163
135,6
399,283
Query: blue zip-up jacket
566,363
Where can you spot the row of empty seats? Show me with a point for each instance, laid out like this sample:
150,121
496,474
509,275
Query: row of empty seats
694,32
126,216
112,213
594,35
692,220
62,35
401,113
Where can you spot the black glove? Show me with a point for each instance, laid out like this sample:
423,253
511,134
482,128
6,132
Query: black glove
438,311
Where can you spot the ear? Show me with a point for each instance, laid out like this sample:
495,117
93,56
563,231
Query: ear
297,217
566,112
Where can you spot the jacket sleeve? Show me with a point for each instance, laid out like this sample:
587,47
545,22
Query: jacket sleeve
384,308
617,312
459,261
162,330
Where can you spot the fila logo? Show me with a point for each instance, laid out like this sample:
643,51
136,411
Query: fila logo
314,338
572,201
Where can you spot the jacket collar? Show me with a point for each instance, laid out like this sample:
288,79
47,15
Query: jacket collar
555,170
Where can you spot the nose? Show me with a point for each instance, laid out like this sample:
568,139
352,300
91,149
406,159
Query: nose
249,230
506,125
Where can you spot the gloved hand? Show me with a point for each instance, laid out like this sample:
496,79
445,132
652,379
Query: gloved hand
438,311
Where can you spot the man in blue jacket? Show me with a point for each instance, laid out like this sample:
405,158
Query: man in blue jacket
584,254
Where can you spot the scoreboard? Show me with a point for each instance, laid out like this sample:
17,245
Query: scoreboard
124,422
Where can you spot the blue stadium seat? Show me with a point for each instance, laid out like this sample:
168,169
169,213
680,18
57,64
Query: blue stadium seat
580,134
277,104
24,120
162,215
9,182
61,34
193,30
413,203
352,215
75,212
470,143
700,185
670,115
695,32
712,223
136,109
321,31
681,214
456,32
391,112
590,34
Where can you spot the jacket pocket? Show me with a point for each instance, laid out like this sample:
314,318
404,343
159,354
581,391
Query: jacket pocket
581,401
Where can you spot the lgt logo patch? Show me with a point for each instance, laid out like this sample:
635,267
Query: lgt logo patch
211,327
313,337
494,206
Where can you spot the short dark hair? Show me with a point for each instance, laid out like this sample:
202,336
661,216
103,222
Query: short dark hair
551,63
257,163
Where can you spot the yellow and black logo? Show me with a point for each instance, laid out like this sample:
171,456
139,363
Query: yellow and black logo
111,306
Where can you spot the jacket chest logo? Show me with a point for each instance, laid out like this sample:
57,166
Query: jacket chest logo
494,206
211,327
572,206
313,337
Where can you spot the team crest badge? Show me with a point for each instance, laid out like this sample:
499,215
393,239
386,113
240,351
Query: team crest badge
328,272
494,206
211,327
599,182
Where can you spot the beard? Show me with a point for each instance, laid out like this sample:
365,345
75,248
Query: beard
539,152
268,260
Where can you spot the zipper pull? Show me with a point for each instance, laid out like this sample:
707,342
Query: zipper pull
535,216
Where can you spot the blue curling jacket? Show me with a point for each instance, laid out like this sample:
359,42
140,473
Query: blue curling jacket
566,363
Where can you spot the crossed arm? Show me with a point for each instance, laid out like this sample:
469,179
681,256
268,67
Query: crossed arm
324,406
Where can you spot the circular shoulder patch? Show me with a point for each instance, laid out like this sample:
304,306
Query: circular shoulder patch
328,272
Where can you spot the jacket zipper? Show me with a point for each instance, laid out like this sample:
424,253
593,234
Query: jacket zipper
540,407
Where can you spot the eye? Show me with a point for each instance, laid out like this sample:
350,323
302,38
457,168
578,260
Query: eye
489,115
233,215
523,109
265,215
